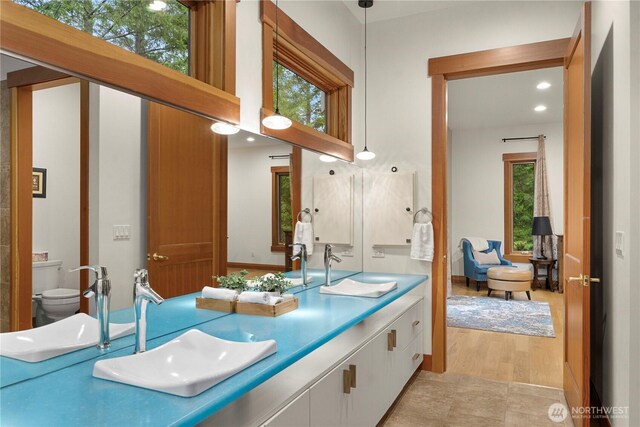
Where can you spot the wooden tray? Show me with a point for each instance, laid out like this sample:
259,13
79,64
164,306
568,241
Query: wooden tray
216,304
267,310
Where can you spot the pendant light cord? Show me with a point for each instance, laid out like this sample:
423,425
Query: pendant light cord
365,78
277,66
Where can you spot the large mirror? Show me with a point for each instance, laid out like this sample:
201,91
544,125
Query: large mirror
126,183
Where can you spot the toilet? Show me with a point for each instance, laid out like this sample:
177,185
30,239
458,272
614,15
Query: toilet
54,302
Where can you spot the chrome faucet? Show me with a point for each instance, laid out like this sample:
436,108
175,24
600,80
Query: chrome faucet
101,291
328,257
302,256
142,294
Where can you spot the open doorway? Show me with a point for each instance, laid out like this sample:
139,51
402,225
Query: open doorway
505,225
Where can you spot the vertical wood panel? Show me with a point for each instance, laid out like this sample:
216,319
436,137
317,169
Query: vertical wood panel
84,191
439,209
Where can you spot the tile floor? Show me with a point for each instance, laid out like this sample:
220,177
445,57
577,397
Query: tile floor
448,400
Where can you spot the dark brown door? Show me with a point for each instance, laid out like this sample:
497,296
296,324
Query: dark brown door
185,204
577,82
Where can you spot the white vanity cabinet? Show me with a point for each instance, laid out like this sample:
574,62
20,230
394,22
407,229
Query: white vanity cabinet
350,381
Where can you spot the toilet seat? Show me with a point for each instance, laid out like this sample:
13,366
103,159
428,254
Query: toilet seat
60,294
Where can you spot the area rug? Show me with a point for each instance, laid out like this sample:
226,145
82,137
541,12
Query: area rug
497,315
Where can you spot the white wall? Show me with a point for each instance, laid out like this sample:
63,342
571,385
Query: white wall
477,198
249,181
621,374
400,89
118,188
56,147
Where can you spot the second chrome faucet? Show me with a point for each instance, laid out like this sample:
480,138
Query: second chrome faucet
142,294
328,258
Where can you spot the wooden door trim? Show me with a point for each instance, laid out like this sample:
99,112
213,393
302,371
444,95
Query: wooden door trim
33,36
509,159
84,191
34,75
489,62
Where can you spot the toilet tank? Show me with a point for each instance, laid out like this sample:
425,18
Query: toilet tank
46,275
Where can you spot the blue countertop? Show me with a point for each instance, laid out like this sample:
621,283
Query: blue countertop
56,398
174,314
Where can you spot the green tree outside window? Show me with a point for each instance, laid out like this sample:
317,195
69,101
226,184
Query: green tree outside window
284,211
299,100
523,194
162,36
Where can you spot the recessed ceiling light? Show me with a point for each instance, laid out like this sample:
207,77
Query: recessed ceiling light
223,128
540,108
543,85
327,159
251,139
157,5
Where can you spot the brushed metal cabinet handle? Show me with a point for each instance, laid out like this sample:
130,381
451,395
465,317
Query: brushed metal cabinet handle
415,357
346,381
415,323
352,370
389,341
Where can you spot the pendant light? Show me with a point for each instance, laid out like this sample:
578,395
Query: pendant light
277,121
365,154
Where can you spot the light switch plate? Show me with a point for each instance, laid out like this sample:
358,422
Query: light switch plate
347,253
121,232
378,253
620,242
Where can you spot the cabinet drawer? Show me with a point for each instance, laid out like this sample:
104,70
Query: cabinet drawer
408,326
409,360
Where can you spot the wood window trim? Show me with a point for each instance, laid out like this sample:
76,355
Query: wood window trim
510,159
276,171
36,37
474,64
304,55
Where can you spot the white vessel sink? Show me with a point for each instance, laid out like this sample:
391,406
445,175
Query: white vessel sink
185,366
61,337
298,281
352,288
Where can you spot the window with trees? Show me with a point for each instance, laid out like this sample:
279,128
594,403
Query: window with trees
519,175
300,100
161,35
281,219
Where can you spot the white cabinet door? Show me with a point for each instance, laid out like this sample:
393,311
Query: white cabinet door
329,405
333,209
295,414
389,208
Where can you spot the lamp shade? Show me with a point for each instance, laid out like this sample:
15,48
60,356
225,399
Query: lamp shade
541,226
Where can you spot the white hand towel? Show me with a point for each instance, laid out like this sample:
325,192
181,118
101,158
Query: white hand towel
259,298
303,234
422,246
477,243
219,293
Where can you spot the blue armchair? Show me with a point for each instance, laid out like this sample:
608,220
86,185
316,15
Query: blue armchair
475,271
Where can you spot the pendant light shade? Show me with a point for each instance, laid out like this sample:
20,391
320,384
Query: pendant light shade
365,154
222,128
277,121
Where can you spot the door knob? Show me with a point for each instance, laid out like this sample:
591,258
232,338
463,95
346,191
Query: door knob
157,257
579,278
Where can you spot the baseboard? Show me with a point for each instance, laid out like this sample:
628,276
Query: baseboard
426,362
458,279
248,266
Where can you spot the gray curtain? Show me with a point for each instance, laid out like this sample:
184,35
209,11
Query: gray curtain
541,201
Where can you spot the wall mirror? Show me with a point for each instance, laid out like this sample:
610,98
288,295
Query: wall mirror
113,186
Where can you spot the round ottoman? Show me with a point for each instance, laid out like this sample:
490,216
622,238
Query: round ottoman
509,280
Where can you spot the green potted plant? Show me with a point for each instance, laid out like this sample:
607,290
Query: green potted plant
234,281
275,284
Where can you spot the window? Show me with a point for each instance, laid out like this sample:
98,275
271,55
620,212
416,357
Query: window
519,183
319,98
300,100
281,219
162,35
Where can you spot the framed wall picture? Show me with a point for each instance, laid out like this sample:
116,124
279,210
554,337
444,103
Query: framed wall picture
39,183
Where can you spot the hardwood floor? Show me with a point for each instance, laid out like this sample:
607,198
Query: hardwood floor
508,357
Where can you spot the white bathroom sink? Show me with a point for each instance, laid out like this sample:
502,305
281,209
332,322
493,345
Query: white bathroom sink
298,281
352,288
61,337
185,366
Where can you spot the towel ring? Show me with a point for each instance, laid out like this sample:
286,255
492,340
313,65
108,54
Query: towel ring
424,211
301,214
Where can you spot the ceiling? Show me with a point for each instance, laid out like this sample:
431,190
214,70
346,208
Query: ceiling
392,9
505,100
